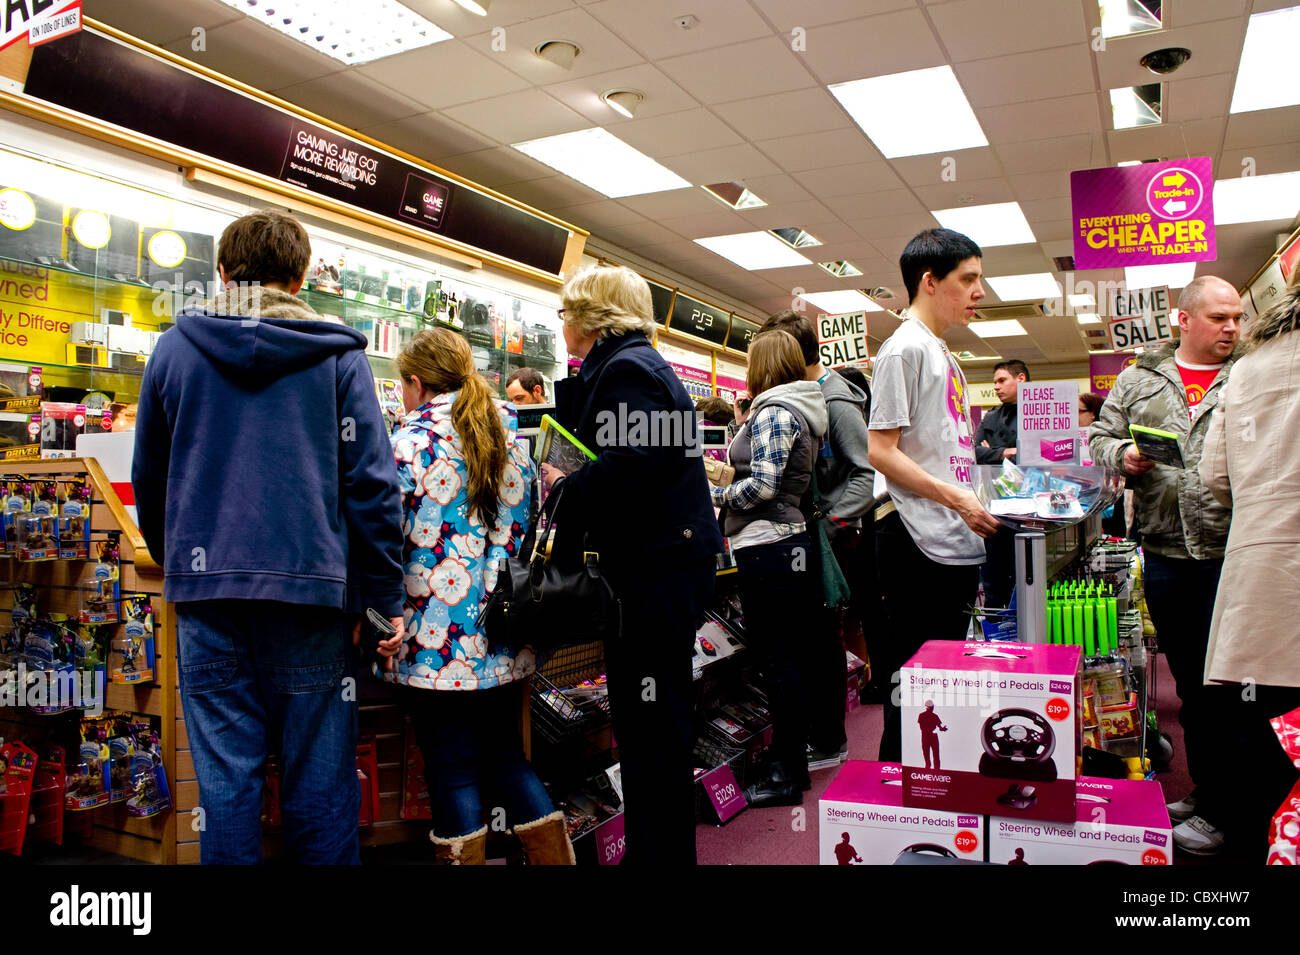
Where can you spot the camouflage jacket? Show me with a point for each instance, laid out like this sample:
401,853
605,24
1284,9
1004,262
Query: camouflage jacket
1176,513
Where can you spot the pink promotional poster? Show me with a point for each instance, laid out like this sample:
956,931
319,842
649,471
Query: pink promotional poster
1104,369
1157,213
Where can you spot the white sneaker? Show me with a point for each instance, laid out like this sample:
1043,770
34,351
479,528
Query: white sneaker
1198,837
1184,809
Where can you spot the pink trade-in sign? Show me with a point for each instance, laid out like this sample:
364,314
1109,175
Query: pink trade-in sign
1156,213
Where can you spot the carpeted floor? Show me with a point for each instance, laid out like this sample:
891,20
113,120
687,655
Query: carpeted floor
788,836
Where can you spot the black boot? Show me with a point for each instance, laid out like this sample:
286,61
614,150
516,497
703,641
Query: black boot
777,789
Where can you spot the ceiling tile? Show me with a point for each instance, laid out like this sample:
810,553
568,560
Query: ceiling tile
1014,260
460,22
519,117
981,163
1263,127
785,15
1058,229
1053,155
722,75
725,164
254,54
872,46
816,150
832,232
1046,210
1263,160
802,276
351,99
652,27
1199,97
784,114
429,136
873,227
974,29
602,50
1200,138
662,95
705,224
673,204
1062,71
595,215
852,179
640,234
462,74
787,214
891,248
689,131
160,23
974,192
499,167
778,188
1216,48
892,202
1022,122
552,192
1040,185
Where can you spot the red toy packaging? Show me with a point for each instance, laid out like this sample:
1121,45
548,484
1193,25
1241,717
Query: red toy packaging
17,764
1284,834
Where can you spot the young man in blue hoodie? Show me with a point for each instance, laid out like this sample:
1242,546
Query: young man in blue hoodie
266,488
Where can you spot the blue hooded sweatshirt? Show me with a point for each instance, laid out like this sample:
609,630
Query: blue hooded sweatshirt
262,467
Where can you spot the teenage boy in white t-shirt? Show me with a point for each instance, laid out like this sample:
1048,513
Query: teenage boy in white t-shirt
928,533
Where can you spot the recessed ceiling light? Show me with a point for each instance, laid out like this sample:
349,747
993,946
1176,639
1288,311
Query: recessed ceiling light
1125,17
754,250
560,52
1000,223
1257,198
734,194
334,28
479,7
1135,106
1002,328
1154,276
1088,318
841,269
841,301
1024,288
887,108
623,102
1080,301
1271,40
795,237
604,162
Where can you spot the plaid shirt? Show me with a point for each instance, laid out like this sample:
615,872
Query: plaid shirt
772,433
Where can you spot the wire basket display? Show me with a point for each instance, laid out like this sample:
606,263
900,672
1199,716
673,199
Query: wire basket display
558,713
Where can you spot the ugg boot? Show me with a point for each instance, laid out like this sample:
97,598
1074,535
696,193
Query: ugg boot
546,841
461,850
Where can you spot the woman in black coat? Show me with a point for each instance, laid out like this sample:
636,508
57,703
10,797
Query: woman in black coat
644,507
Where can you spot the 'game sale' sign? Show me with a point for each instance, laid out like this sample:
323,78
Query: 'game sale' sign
1139,317
1156,213
843,338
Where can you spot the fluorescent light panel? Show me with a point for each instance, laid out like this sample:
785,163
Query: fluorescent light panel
1271,42
999,223
841,301
1088,318
1024,288
1125,17
754,250
1002,328
1257,198
913,113
600,160
1080,301
1153,276
1130,108
341,31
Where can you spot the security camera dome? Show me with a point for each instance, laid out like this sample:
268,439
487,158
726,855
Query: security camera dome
1166,60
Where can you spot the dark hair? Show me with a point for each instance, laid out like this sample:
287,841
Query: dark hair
1092,402
528,378
803,330
1013,367
715,410
265,247
937,251
856,376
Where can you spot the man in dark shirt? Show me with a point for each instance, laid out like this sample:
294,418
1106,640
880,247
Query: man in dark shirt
930,722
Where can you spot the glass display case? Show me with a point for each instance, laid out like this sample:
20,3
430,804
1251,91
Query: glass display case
93,271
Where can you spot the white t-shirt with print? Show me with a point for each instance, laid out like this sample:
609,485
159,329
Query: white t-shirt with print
918,387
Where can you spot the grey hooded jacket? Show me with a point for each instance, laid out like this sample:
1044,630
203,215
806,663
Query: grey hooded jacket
844,477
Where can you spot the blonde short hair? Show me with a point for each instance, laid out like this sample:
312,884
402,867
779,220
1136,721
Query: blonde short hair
608,300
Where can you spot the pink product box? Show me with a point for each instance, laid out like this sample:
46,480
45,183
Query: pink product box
1056,449
991,728
1117,822
863,821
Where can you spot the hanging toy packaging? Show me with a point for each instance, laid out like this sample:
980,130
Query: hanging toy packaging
149,791
74,520
38,531
88,782
99,591
16,503
131,654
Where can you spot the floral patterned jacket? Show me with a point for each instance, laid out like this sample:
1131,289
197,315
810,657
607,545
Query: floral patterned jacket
450,558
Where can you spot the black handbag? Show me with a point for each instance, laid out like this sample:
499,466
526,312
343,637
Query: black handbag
549,596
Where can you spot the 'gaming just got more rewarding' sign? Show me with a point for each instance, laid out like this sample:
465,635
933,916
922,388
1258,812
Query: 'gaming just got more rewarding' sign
1156,213
1049,423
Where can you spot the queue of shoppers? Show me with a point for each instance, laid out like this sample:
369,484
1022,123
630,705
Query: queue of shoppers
414,528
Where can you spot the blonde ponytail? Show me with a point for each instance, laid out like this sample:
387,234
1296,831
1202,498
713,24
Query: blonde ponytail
443,363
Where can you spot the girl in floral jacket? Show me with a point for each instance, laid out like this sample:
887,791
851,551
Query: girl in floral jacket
466,486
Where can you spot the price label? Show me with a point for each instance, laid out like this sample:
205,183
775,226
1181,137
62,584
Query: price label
1057,709
966,841
610,841
724,793
1154,857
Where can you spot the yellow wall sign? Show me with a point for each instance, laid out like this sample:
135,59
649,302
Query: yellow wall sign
17,210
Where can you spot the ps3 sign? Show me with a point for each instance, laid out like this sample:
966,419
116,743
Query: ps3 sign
39,20
694,318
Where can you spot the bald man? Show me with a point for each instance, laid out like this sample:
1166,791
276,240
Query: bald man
1184,529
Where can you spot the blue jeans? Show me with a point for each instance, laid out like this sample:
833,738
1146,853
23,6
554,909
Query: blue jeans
258,676
472,749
